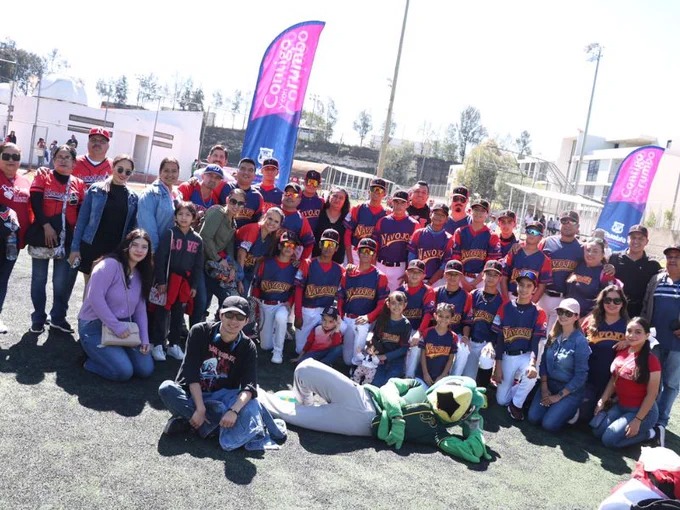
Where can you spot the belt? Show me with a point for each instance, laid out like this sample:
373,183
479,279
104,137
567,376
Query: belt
351,315
554,293
516,353
478,341
471,275
271,302
390,264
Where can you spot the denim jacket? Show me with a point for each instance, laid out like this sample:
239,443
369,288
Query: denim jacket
156,211
91,212
565,362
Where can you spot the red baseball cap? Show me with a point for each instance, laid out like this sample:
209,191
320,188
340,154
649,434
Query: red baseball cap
101,132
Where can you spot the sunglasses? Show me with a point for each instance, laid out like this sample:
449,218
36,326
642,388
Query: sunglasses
378,190
122,170
312,182
366,251
328,244
458,199
291,194
235,202
288,244
6,156
609,300
565,313
234,315
565,221
533,232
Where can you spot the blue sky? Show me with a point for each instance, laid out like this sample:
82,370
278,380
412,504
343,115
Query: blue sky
521,63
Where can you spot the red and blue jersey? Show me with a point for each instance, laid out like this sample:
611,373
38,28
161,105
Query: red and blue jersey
519,328
452,225
272,196
538,263
584,284
54,194
248,238
310,208
192,193
430,247
507,244
319,283
564,258
274,280
602,352
296,223
90,173
484,309
361,220
393,236
252,212
362,292
474,248
462,304
420,301
437,348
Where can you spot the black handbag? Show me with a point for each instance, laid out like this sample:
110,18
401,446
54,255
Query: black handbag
35,235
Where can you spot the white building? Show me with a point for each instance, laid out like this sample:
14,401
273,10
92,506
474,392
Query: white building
59,109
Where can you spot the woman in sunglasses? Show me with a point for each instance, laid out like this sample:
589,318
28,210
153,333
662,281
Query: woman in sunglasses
605,330
108,214
218,231
332,215
563,371
14,195
589,277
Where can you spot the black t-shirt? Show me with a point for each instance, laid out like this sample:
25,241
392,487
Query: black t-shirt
420,214
112,223
217,365
635,275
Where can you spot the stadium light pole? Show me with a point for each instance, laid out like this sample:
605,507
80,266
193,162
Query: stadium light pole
388,120
594,51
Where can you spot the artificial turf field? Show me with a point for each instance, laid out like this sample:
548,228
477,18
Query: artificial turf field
69,439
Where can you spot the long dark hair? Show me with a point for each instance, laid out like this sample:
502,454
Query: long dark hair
642,359
384,316
145,266
598,311
345,207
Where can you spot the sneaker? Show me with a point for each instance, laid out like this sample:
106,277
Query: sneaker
158,353
574,418
515,412
37,328
3,328
660,435
176,425
175,351
62,326
277,358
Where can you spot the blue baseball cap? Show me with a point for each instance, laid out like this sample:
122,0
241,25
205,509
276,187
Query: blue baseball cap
214,169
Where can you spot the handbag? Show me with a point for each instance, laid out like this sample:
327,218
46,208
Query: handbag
35,235
109,338
155,296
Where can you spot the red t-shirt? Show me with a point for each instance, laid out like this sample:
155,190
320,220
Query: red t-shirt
90,173
53,196
15,194
630,392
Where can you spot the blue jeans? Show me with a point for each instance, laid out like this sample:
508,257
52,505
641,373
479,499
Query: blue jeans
6,267
670,381
612,429
200,301
113,363
213,288
63,279
389,369
326,356
556,416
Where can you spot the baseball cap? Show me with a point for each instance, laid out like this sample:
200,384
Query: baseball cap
213,169
507,214
379,183
537,225
493,265
330,234
639,228
400,195
417,265
270,162
331,311
440,206
288,236
367,242
480,203
313,175
570,304
453,266
528,275
235,304
296,187
570,215
460,190
101,132
671,248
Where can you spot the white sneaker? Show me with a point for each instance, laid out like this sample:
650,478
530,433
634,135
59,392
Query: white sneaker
3,328
175,351
158,353
574,418
277,358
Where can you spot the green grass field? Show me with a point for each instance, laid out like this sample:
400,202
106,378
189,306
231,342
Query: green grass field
72,440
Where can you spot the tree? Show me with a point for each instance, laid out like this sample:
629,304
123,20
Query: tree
470,130
393,129
149,88
28,66
55,62
218,100
321,119
363,125
106,88
449,148
399,163
523,144
120,90
331,119
484,165
235,102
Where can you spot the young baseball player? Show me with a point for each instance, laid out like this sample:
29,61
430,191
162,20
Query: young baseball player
527,258
429,244
507,221
361,219
438,346
311,203
391,338
519,325
271,195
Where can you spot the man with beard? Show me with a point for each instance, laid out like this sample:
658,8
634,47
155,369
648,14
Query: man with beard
458,212
94,166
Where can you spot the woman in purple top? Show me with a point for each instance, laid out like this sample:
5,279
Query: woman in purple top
114,295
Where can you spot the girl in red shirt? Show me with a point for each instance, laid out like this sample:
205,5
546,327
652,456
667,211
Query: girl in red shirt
636,374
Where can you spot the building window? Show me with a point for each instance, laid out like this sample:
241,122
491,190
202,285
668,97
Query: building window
593,168
605,192
616,163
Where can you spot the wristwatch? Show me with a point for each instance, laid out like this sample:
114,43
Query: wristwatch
561,394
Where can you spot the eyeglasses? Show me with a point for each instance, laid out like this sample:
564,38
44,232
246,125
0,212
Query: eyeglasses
291,194
122,170
237,203
567,221
288,244
63,158
234,315
328,244
565,313
458,199
6,156
533,232
312,182
378,190
609,300
366,251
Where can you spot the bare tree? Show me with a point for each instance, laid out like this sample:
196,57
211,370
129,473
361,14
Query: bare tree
470,130
363,125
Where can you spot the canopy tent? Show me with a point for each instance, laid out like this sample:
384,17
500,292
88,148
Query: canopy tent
554,195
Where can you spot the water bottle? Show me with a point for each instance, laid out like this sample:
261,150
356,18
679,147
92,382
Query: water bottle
12,251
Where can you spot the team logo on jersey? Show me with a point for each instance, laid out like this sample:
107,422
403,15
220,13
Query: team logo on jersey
512,334
274,286
434,351
602,336
469,255
399,237
360,293
564,265
317,291
413,313
579,278
390,337
245,214
426,255
618,227
362,231
265,153
482,315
